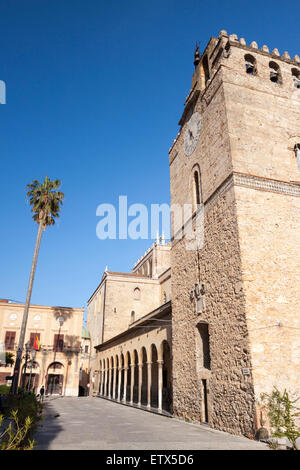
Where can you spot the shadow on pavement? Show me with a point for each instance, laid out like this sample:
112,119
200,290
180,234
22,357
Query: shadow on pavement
49,427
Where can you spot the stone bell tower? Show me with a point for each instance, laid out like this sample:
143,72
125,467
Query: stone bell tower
235,295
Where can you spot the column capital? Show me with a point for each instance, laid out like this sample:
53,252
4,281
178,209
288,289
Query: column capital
149,363
160,361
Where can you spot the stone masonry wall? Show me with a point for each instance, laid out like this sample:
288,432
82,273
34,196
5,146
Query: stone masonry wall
120,302
263,122
270,246
230,393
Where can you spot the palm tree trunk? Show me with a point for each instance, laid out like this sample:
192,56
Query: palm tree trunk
25,315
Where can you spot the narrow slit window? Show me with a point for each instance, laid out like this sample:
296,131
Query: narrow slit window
137,294
297,155
196,189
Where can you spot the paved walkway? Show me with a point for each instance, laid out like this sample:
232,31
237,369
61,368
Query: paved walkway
94,423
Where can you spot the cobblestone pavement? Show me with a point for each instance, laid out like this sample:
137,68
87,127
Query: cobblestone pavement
94,423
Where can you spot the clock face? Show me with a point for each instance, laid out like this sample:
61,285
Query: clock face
192,132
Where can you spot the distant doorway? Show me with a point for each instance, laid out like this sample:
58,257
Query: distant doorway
54,384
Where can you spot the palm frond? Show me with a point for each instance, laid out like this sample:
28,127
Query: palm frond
44,200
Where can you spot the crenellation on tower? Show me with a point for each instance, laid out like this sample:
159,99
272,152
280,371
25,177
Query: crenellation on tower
217,56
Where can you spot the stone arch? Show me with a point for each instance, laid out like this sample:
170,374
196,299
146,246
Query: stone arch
165,355
129,375
250,64
111,372
135,376
143,359
121,376
107,377
196,186
154,376
115,376
275,73
137,293
296,77
55,378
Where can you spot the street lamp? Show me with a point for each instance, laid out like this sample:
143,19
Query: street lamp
33,356
56,347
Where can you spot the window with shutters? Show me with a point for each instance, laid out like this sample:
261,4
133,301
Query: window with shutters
32,339
10,337
58,345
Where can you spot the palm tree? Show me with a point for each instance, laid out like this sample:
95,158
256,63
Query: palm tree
45,202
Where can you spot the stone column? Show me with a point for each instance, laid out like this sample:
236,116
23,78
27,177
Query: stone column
149,367
109,382
125,384
119,384
160,383
140,384
114,382
105,383
132,383
99,382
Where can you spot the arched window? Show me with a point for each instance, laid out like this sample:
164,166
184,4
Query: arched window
296,77
137,294
132,316
197,190
275,75
165,298
250,64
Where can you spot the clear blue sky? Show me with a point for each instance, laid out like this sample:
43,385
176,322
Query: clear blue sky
95,90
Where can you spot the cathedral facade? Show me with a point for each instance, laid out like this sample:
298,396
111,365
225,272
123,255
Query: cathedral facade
201,331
